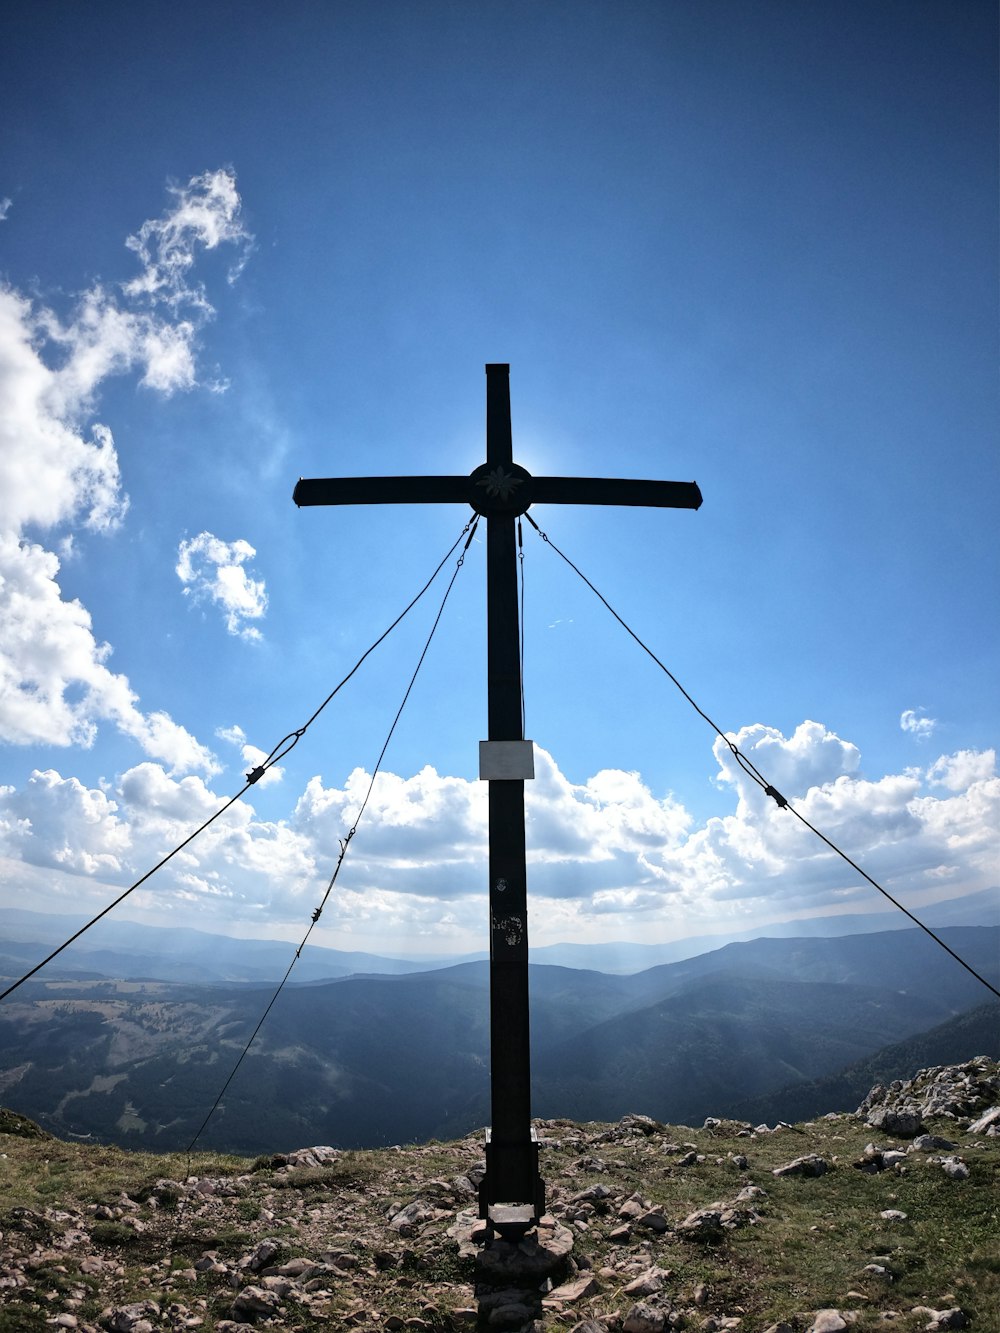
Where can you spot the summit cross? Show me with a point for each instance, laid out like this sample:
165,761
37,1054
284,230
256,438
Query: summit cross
512,1193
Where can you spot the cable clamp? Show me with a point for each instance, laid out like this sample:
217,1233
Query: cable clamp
317,913
256,774
776,796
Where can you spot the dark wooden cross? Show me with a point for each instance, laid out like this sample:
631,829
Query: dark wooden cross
512,1195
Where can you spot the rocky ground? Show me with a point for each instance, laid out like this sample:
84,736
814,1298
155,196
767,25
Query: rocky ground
889,1218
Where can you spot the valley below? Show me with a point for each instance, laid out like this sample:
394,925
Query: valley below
762,1030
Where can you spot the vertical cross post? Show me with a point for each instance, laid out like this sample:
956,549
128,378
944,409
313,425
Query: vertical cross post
512,1194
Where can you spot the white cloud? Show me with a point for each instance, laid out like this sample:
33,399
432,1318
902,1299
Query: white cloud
810,757
915,721
235,735
55,685
53,469
607,858
59,470
212,570
206,214
5,206
963,769
58,822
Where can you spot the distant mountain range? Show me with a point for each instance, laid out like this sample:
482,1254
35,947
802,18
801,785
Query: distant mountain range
373,1060
122,948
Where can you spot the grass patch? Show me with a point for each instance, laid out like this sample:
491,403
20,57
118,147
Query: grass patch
809,1250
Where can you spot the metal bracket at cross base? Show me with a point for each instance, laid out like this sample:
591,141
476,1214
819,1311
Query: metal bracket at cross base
515,1162
512,1193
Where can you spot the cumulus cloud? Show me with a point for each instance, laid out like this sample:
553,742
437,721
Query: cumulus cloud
810,757
54,469
607,855
59,469
962,770
212,570
917,723
115,834
55,682
60,823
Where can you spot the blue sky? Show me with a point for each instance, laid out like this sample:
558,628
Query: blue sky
754,246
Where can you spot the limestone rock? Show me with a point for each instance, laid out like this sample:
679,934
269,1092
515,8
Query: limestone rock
903,1120
809,1165
643,1318
653,1220
255,1303
648,1283
828,1321
634,1207
931,1143
595,1193
705,1224
630,1127
135,1318
875,1159
266,1251
576,1290
468,1231
414,1215
955,1168
959,1092
318,1156
749,1193
941,1319
988,1123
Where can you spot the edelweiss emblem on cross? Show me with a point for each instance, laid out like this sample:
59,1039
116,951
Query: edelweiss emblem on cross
500,483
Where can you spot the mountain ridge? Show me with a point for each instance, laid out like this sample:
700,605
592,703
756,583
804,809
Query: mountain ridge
364,1061
180,953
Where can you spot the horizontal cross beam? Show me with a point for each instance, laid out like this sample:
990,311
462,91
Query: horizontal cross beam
474,490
